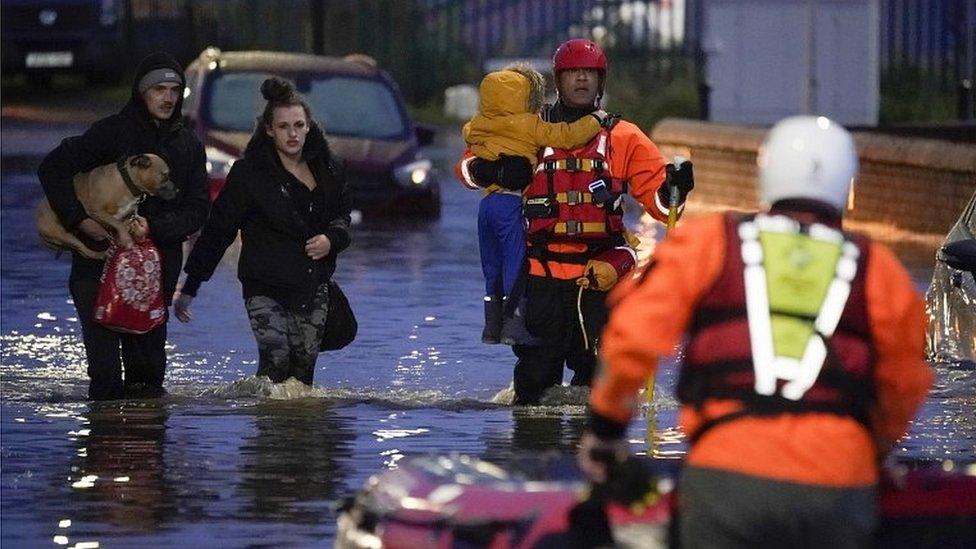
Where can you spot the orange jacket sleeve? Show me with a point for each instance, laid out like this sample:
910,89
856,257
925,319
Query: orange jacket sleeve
635,158
647,319
898,323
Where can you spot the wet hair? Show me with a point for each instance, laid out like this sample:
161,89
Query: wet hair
280,93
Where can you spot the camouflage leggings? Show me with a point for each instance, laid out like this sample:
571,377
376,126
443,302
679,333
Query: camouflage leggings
288,341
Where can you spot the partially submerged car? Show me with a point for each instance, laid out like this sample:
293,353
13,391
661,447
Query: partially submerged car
358,106
951,299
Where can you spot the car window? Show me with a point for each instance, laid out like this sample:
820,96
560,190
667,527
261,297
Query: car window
355,107
346,106
235,100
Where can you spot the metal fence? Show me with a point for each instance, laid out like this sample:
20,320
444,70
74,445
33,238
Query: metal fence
426,44
930,45
926,45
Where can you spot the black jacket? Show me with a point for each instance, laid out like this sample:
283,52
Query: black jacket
130,132
273,261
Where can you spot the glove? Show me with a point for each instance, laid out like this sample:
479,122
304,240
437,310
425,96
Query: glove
510,172
679,174
602,272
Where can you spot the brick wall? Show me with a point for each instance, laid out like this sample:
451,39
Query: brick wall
907,187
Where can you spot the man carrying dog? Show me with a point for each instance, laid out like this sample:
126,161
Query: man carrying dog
149,123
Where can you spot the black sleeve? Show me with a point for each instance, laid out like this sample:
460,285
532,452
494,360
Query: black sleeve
510,172
483,172
225,220
174,226
337,228
78,154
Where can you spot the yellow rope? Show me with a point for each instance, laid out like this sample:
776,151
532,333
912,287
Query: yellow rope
651,443
579,313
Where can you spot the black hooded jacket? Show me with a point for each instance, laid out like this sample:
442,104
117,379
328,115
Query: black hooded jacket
275,214
132,131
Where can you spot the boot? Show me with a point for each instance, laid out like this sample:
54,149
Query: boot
493,320
140,390
514,331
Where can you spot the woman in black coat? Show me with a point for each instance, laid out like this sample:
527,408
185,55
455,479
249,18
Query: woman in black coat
288,199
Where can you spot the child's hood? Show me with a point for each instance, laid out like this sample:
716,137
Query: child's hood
503,93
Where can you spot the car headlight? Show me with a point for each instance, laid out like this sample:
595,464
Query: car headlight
413,174
218,163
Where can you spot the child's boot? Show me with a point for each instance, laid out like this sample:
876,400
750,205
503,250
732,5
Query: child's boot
493,320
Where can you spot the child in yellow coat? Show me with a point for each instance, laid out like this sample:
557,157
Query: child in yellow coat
508,124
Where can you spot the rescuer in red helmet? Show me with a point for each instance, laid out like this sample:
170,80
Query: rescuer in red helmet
576,244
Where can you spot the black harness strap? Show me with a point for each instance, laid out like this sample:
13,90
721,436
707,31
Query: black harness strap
770,407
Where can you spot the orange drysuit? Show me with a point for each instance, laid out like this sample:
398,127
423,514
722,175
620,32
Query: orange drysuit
649,317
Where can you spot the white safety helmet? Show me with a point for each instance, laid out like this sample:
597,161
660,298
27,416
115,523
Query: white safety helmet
807,157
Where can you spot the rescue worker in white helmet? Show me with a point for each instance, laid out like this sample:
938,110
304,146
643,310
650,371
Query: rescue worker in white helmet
804,360
576,245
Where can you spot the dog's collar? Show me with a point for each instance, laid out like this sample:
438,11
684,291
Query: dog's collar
124,171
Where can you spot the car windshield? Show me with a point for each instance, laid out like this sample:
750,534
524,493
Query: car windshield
343,105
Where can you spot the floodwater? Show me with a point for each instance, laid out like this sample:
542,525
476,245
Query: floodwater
230,460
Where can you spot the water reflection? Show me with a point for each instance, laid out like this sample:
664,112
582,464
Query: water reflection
292,464
119,467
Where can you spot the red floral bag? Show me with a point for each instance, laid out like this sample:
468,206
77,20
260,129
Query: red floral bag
130,297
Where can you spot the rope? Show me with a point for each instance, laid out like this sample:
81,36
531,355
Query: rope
579,313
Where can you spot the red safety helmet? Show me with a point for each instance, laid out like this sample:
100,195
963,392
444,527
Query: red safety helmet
579,53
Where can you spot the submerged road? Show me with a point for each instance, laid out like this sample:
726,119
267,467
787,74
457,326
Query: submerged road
230,460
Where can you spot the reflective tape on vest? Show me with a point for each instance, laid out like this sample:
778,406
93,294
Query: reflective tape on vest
575,227
822,262
574,197
572,164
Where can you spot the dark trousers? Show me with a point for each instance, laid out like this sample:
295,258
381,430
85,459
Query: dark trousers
143,356
552,314
721,510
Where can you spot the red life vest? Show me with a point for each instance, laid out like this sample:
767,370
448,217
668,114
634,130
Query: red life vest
559,202
718,359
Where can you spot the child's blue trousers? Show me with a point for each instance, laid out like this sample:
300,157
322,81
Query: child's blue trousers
501,238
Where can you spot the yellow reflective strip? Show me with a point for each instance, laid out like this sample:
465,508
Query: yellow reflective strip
586,165
584,228
585,198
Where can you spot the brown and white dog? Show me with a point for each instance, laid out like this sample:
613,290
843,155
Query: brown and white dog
110,194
